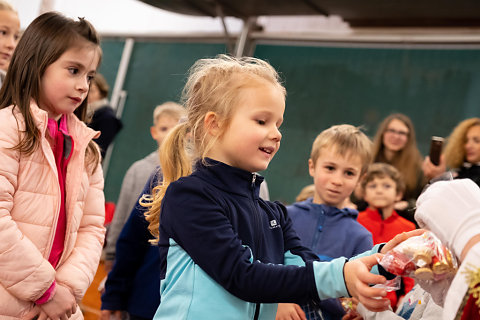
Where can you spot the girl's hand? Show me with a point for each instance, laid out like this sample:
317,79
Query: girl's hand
110,314
290,311
36,313
352,315
399,238
350,306
358,279
62,305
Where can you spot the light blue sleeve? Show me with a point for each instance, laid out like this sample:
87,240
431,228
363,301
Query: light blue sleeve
375,249
329,278
291,259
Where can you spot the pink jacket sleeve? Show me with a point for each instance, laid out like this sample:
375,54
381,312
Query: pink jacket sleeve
25,274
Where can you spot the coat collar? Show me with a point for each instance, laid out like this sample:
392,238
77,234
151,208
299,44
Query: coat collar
376,215
228,178
76,128
327,210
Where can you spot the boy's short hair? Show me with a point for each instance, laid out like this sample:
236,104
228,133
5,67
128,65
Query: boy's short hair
347,140
382,170
169,108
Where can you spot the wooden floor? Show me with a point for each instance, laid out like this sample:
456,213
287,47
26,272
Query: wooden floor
90,304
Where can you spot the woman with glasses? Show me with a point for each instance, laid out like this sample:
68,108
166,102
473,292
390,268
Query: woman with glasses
461,154
395,144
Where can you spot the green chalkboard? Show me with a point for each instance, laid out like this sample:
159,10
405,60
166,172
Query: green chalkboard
325,86
111,55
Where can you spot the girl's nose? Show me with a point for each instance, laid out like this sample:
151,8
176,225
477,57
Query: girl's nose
10,42
276,134
83,84
467,145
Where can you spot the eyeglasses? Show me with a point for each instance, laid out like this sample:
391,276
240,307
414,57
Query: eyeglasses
400,133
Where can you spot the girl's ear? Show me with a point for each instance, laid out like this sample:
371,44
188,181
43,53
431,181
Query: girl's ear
212,123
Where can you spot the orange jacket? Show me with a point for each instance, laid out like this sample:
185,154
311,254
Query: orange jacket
29,208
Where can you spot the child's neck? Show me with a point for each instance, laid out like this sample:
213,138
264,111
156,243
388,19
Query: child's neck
386,212
318,200
389,155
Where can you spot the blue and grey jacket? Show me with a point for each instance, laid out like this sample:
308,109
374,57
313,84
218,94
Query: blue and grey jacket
227,254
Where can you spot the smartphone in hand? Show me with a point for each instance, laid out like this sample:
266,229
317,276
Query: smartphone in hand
436,146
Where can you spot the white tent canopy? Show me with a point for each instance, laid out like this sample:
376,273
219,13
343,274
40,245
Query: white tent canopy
121,17
135,18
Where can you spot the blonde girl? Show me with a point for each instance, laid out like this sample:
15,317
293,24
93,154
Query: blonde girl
461,154
225,253
9,34
51,198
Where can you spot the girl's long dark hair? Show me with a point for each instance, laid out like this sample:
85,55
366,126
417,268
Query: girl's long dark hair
42,43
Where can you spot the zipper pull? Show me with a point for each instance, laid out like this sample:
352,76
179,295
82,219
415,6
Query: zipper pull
253,179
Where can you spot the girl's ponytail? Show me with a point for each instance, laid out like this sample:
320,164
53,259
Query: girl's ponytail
176,163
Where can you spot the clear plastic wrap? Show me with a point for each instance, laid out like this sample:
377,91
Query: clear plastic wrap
423,257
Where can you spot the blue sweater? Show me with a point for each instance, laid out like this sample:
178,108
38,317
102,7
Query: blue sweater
225,253
328,231
133,284
331,233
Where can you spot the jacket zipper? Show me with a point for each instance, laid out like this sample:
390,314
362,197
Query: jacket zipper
57,207
257,311
255,217
256,234
318,231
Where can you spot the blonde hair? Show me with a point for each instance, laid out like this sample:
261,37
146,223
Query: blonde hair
213,85
382,170
408,160
5,5
307,192
169,108
347,140
455,147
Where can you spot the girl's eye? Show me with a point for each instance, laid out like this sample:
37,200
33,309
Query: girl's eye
73,70
387,186
261,122
3,32
90,78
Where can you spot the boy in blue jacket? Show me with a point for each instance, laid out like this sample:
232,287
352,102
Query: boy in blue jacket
340,156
